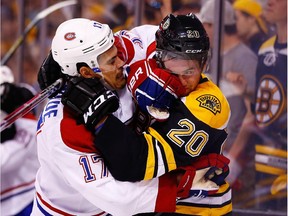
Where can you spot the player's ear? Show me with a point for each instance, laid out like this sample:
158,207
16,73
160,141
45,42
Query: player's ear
86,72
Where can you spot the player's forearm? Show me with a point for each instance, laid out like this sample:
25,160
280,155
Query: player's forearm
125,152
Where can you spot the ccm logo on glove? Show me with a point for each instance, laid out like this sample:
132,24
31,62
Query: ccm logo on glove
97,103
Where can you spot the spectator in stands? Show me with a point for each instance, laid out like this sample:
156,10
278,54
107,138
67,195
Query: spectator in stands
251,26
238,62
237,82
269,148
271,113
189,6
152,14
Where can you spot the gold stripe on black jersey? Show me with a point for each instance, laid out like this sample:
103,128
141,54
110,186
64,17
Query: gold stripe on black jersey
150,165
169,155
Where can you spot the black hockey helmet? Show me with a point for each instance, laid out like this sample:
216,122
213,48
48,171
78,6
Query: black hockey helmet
182,34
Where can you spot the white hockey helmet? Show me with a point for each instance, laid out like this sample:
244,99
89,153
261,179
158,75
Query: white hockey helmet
6,75
80,40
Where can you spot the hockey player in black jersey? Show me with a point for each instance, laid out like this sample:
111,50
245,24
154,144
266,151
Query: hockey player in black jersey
193,125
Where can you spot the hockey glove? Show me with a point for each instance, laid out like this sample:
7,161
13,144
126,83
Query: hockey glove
10,132
49,72
14,96
90,100
153,88
204,176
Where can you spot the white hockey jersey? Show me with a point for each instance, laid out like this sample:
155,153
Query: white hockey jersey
19,164
73,179
140,42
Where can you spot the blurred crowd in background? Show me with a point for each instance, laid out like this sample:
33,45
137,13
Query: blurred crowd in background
247,24
119,14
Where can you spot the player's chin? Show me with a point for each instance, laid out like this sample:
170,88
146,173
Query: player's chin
187,92
121,82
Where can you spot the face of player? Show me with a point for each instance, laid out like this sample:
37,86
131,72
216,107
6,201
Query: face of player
244,24
111,67
188,71
275,11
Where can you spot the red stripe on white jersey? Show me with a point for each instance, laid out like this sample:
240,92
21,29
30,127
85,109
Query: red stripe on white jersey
21,186
150,50
52,210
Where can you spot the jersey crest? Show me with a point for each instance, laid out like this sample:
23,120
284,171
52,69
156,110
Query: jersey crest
210,102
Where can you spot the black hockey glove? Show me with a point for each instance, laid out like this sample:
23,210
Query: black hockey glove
90,100
14,96
49,72
8,134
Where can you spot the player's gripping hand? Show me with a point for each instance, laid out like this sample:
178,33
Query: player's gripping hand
90,100
12,96
219,168
154,89
10,132
49,72
204,176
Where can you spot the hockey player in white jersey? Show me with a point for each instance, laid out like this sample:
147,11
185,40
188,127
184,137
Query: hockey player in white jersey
78,83
73,178
19,162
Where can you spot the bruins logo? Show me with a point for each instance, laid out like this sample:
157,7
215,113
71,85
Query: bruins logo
270,100
210,102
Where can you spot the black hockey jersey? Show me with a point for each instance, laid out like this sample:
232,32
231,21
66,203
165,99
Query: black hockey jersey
196,126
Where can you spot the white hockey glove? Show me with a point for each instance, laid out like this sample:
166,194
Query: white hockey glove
90,100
